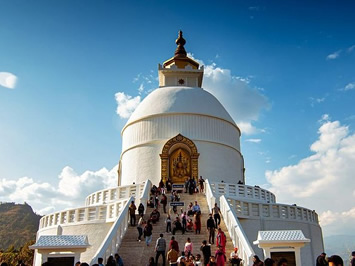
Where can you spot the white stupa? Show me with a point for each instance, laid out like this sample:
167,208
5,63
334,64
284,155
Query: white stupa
180,118
178,132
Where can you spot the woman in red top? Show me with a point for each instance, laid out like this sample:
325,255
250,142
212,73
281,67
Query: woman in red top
221,239
197,222
220,256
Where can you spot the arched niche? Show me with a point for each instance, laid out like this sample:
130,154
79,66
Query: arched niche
179,159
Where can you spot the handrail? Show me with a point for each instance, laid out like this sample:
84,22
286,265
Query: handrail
247,209
113,240
108,195
211,199
242,191
145,194
114,237
86,214
236,232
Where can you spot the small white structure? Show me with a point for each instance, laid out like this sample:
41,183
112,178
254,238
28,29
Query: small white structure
66,248
282,243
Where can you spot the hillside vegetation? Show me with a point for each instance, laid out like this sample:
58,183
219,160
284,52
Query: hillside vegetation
18,225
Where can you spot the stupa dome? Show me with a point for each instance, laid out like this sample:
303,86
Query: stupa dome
180,100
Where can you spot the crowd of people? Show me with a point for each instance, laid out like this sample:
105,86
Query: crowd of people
185,220
189,220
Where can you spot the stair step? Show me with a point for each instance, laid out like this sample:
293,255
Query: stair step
137,253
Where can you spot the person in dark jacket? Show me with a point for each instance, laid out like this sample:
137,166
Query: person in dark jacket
164,201
211,227
321,260
141,210
206,251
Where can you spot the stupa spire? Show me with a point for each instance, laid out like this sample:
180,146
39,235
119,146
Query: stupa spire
180,70
180,49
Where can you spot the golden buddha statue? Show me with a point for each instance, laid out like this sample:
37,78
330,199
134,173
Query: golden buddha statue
180,166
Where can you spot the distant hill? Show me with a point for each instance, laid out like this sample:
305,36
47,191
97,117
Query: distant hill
341,245
18,224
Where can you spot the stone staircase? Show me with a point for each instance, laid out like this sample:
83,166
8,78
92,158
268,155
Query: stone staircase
136,253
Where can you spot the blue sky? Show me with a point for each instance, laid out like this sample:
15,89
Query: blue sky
68,59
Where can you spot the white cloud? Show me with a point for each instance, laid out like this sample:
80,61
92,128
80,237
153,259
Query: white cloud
334,55
8,80
141,89
333,220
126,104
69,192
243,102
325,118
324,180
247,128
253,140
349,86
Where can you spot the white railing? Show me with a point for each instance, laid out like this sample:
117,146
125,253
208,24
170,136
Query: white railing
114,237
97,213
211,199
88,214
246,209
144,195
236,232
105,196
242,191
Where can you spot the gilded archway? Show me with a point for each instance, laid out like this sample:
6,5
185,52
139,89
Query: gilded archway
179,159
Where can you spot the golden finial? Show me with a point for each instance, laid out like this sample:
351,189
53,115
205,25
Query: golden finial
180,50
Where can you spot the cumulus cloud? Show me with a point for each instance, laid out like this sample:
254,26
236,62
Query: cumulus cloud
70,190
8,80
326,175
243,102
126,104
334,55
333,220
248,129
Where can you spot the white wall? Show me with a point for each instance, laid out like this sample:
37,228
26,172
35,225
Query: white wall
216,162
96,233
193,126
309,252
217,141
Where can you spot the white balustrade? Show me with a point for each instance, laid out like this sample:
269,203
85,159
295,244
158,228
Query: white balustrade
99,212
211,199
236,232
242,191
246,209
113,194
88,214
144,195
113,239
